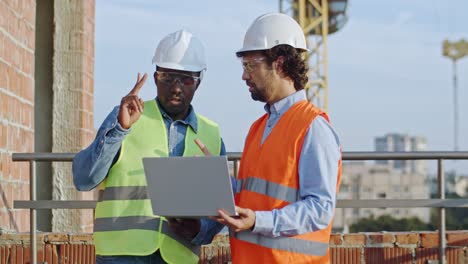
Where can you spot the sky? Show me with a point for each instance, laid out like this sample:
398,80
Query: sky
386,69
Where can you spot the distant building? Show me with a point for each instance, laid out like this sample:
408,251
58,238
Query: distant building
362,180
454,184
394,142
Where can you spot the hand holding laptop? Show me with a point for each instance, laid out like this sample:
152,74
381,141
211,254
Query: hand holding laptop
185,227
245,220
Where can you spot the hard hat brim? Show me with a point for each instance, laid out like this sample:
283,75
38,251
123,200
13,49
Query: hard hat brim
239,52
176,66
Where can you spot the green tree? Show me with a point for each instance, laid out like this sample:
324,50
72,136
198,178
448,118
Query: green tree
388,223
455,218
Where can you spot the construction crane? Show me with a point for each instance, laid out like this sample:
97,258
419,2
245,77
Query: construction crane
318,19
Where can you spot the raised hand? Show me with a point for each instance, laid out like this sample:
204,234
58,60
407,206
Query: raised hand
131,105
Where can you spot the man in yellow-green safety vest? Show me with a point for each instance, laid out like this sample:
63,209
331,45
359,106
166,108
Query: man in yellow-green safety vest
125,230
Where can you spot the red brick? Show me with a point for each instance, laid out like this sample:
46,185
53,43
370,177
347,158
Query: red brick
24,191
28,141
28,92
6,163
8,46
380,238
3,15
388,255
429,240
3,137
407,238
354,239
22,220
29,11
3,77
336,239
15,172
22,31
2,45
16,58
31,38
4,222
457,238
345,255
11,23
27,62
10,71
13,5
425,254
4,106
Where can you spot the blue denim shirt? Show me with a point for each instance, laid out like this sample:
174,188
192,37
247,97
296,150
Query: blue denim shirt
318,171
91,165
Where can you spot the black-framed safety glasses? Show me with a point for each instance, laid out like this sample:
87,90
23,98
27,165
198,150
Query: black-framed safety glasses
169,78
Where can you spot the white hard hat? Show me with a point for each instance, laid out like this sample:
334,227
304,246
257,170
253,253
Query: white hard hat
180,51
273,29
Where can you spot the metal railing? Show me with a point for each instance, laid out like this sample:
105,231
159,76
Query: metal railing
33,204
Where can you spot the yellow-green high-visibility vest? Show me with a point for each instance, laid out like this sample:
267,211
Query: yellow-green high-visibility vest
124,223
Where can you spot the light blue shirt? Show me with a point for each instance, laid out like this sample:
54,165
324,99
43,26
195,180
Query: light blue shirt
91,165
318,171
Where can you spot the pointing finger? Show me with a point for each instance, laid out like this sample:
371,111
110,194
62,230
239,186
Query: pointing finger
202,147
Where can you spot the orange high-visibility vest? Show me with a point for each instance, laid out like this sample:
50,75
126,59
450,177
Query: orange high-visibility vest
269,179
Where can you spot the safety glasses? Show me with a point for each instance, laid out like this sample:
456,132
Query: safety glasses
169,78
250,65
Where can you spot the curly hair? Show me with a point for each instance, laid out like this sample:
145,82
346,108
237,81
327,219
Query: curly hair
294,65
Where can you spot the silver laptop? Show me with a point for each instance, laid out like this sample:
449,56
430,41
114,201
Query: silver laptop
189,186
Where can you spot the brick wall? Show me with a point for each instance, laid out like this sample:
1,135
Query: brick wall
72,113
362,248
17,25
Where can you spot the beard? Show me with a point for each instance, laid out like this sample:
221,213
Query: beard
255,93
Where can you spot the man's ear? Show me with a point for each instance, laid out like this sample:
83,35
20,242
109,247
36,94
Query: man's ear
154,76
278,65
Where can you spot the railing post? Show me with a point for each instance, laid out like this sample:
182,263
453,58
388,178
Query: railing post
32,212
235,167
441,186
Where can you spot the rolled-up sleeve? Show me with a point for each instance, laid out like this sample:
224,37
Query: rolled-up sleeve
91,165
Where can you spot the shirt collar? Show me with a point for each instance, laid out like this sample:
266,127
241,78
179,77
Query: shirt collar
284,104
190,120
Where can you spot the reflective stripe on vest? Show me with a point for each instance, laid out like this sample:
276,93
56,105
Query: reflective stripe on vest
141,222
123,193
239,183
124,221
271,189
268,180
290,244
